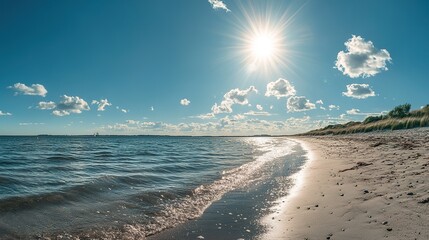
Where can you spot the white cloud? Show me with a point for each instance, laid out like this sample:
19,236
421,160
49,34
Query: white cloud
72,104
5,113
359,91
185,102
280,88
353,111
228,125
239,96
102,104
319,102
33,90
124,110
46,105
60,113
206,116
30,123
219,4
362,59
259,107
298,104
253,113
333,107
271,107
66,106
152,108
234,96
238,117
224,107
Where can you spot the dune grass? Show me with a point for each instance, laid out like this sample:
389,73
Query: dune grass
399,118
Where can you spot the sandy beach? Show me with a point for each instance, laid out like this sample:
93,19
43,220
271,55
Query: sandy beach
360,186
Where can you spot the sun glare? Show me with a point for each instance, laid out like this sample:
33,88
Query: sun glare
262,47
266,39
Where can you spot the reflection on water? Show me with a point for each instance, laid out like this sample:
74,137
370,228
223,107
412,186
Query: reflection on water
122,186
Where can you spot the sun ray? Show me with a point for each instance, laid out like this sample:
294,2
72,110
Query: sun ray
266,38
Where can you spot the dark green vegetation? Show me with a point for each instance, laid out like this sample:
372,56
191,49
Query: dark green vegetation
398,118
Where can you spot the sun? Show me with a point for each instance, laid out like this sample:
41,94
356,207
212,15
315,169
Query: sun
266,38
263,47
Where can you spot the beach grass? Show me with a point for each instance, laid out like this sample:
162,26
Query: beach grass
398,118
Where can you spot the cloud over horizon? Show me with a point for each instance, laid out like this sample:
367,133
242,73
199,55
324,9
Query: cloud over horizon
67,105
5,113
359,91
353,111
219,4
185,102
46,105
299,104
33,90
102,104
234,96
361,59
280,88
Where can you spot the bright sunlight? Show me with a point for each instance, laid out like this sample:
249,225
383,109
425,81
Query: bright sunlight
263,47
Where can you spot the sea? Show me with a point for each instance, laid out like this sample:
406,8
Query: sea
142,187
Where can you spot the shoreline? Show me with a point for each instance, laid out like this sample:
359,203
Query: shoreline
360,186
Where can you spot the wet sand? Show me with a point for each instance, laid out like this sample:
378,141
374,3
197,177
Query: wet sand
360,186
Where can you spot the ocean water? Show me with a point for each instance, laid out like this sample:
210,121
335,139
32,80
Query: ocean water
130,187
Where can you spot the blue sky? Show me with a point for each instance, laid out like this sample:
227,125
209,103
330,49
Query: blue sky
199,67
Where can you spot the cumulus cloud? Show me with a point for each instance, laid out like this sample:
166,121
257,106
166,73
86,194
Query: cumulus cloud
5,113
260,113
228,125
219,4
102,104
46,105
280,88
185,102
359,91
353,111
124,110
361,59
30,123
239,96
67,105
239,117
33,90
224,107
333,107
299,103
234,96
206,116
319,102
259,107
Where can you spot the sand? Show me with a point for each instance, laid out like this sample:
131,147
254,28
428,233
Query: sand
360,186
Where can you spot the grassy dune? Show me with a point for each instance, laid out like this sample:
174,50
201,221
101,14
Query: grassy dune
399,118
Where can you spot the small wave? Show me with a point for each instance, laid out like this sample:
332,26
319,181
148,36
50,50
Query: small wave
70,194
147,153
192,206
8,180
62,157
103,154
